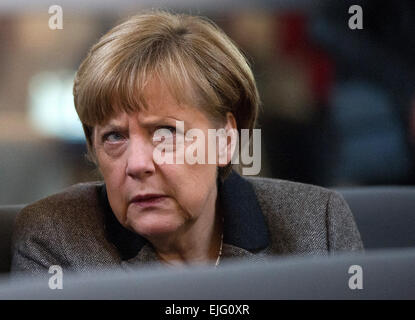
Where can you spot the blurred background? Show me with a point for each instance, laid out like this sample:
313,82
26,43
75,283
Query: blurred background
338,104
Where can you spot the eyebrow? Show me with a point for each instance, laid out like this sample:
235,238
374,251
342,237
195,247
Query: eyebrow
109,127
148,123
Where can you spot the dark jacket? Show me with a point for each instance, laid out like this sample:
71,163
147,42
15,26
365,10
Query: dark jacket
77,230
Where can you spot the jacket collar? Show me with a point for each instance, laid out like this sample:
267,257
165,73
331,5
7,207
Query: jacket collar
244,223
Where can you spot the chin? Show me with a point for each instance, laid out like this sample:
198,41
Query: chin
154,225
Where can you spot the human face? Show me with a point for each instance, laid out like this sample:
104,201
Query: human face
154,200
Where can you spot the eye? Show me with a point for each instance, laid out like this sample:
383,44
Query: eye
170,128
164,133
112,137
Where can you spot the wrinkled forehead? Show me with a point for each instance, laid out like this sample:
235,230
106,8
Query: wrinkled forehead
157,99
155,96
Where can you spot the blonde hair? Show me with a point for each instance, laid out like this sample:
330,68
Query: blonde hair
198,62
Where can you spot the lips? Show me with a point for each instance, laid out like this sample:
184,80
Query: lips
148,200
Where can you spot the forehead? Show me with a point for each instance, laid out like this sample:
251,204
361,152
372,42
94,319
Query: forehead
155,99
157,94
159,104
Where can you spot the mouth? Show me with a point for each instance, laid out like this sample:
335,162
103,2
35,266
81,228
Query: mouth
148,200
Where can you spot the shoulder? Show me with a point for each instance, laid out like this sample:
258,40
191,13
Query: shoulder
63,205
71,215
300,197
290,193
67,228
300,216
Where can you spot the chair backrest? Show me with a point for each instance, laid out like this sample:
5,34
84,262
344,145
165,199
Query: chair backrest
380,274
7,217
384,215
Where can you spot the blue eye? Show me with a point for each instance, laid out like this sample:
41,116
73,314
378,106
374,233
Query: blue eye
112,137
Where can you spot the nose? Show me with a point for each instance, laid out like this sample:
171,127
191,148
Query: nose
140,163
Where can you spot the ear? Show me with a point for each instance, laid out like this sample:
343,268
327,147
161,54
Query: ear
231,140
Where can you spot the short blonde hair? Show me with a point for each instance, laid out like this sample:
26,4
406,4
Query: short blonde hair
198,62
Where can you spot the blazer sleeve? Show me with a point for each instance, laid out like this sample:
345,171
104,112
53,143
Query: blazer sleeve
342,231
35,244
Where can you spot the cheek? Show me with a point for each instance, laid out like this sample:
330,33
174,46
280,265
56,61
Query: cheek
114,176
117,199
191,184
111,168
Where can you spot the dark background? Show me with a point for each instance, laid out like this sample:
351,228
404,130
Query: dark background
338,104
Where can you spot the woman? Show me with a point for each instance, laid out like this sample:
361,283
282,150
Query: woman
147,74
